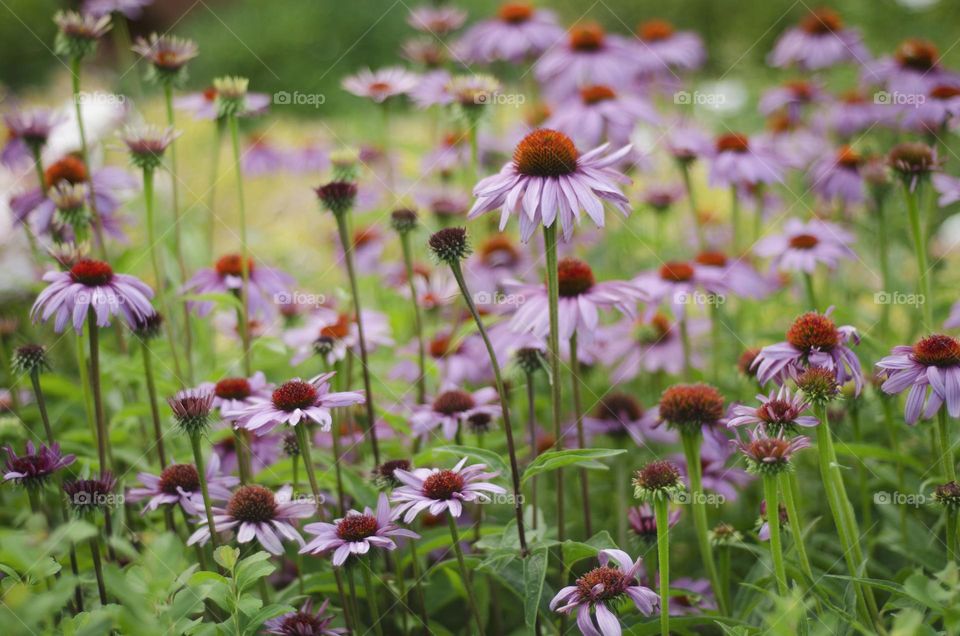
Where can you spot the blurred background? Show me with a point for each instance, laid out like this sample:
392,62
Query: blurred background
309,45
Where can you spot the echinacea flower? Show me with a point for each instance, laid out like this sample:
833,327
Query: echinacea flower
382,84
853,113
107,184
770,454
356,533
334,334
819,41
147,143
451,409
931,369
619,415
678,284
27,133
28,359
603,587
255,512
736,161
265,285
838,178
587,55
495,260
719,275
802,246
203,105
643,522
581,298
658,480
180,484
688,407
791,99
933,114
782,410
87,496
600,113
519,31
304,622
813,340
32,469
660,48
131,9
234,394
436,20
191,409
78,33
439,490
91,287
913,162
763,532
167,54
295,401
914,68
698,597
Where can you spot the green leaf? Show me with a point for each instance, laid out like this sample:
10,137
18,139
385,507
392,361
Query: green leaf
583,457
534,572
252,569
482,455
265,614
574,551
226,557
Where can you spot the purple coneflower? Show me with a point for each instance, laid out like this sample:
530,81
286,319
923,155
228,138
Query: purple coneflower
356,533
932,363
661,48
32,469
452,409
643,522
548,180
93,285
436,20
813,340
382,84
167,54
203,105
838,178
912,71
588,54
437,490
648,345
601,588
180,484
304,622
255,512
720,274
580,300
78,32
147,143
27,132
855,112
763,532
86,496
232,395
678,284
519,31
131,9
933,114
779,411
497,259
737,162
819,41
802,246
769,454
620,415
791,99
333,335
295,401
265,286
600,114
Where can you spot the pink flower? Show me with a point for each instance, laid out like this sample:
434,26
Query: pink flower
802,246
931,369
180,484
294,401
438,490
382,84
518,32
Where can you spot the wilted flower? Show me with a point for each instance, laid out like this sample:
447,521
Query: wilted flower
191,408
913,162
231,95
32,469
28,359
337,196
87,496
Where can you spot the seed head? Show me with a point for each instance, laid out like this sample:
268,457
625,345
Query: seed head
450,244
657,480
29,359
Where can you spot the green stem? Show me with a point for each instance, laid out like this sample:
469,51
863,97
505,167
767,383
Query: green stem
735,220
464,573
553,343
943,440
698,506
84,372
581,437
688,185
532,434
893,428
41,405
417,319
809,289
773,522
102,435
418,586
154,409
372,600
212,187
98,569
883,242
347,245
303,441
244,249
85,155
685,343
920,252
663,559
866,511
201,472
791,489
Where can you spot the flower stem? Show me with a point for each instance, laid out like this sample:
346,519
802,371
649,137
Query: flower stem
85,155
154,409
685,343
809,289
773,522
372,600
464,573
894,430
663,561
883,241
421,598
41,405
791,489
201,472
735,220
691,451
417,319
504,407
688,186
244,250
581,438
177,230
158,273
98,568
532,434
347,245
102,438
920,252
946,451
348,615
553,343
303,441
212,187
